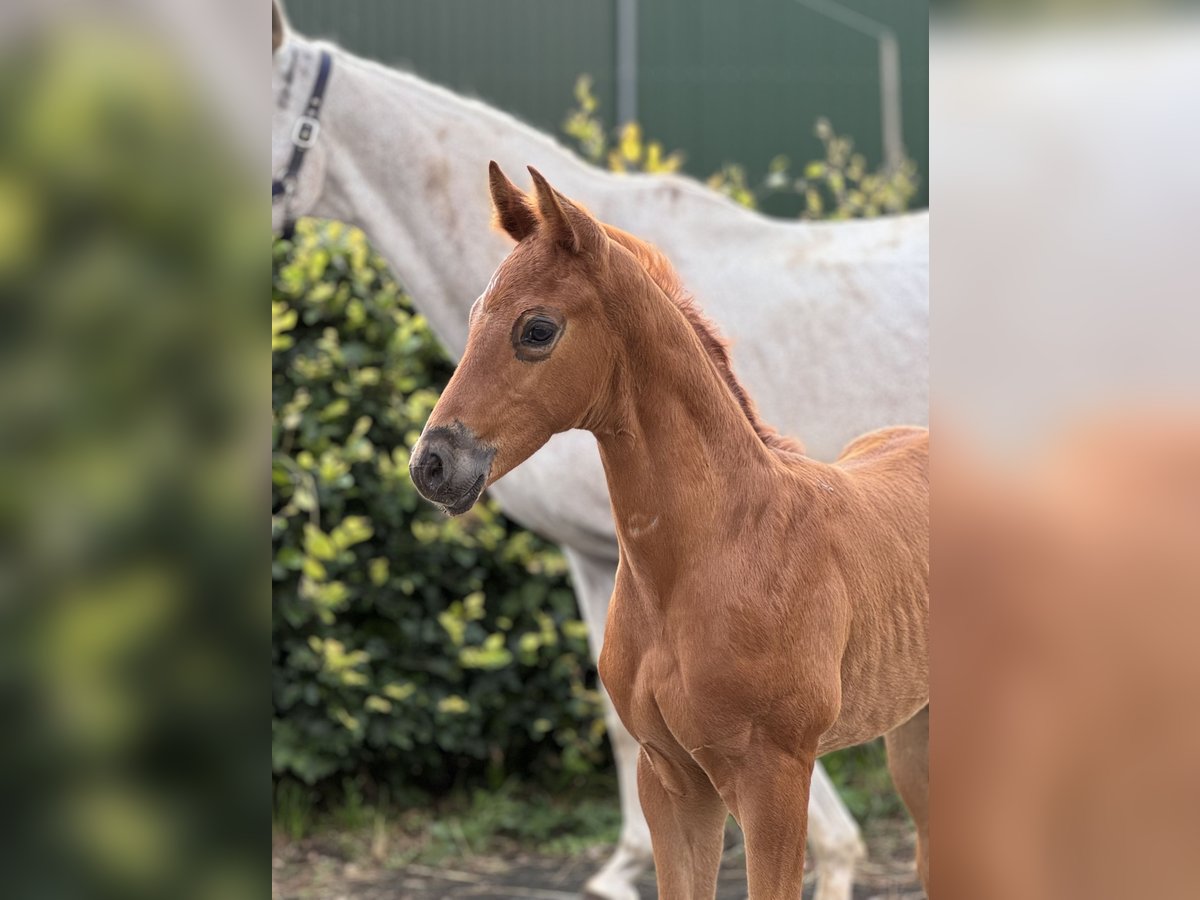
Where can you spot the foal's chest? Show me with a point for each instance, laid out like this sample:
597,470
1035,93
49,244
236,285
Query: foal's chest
657,687
696,669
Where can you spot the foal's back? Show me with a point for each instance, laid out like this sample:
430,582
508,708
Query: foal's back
887,471
901,450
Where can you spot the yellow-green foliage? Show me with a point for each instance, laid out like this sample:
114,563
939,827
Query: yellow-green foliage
407,645
631,152
839,186
731,181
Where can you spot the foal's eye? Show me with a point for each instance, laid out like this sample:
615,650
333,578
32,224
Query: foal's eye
538,332
535,334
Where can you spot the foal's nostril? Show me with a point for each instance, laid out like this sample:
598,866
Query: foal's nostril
448,464
435,470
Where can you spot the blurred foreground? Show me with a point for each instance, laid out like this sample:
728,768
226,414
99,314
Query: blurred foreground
1066,497
1068,680
134,618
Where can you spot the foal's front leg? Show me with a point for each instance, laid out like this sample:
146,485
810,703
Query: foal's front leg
772,800
687,826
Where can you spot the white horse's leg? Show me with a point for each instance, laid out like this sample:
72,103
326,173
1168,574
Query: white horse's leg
593,581
833,836
833,839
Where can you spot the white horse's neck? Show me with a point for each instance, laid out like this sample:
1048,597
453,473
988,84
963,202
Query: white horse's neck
403,163
406,162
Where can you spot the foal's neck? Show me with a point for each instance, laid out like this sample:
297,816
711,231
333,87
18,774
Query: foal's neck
682,460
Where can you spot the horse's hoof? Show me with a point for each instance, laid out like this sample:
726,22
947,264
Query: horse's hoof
837,885
600,887
594,891
616,881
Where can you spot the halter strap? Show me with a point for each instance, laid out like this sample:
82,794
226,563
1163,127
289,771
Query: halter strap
304,136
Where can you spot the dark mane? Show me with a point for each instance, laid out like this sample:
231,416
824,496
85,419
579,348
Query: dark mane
660,270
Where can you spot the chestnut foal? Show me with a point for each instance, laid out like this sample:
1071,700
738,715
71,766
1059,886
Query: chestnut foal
768,607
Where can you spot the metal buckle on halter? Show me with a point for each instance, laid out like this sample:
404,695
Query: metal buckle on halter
305,132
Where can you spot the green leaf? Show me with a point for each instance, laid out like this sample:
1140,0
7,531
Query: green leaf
453,704
352,530
317,543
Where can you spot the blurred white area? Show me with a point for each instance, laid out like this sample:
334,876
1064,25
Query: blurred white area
221,45
1065,215
1065,198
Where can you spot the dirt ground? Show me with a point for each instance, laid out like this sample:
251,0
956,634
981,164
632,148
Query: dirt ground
316,869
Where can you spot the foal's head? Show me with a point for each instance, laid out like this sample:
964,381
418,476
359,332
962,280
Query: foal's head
539,353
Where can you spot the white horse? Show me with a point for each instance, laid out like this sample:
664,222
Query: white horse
831,336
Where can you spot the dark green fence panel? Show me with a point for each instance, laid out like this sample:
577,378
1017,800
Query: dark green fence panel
743,82
725,81
520,55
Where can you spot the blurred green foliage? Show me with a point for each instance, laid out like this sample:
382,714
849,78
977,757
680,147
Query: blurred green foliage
483,821
409,647
130,257
838,186
863,781
841,186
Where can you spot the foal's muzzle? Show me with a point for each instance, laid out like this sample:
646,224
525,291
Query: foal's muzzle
449,467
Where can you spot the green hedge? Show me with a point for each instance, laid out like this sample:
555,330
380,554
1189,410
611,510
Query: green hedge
409,648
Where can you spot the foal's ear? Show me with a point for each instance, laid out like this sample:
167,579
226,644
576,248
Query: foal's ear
513,212
571,226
